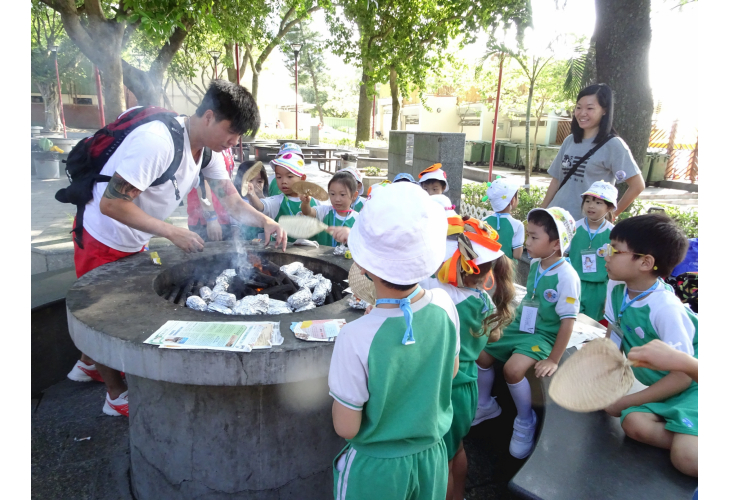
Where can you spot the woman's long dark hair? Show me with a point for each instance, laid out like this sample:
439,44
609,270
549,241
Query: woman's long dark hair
242,170
604,94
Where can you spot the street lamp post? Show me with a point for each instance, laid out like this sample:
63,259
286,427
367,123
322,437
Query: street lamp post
215,54
296,47
54,49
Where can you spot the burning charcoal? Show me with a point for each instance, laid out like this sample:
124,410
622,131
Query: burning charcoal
225,299
320,291
300,299
356,303
252,304
214,307
205,293
278,307
306,307
229,273
195,302
339,250
291,269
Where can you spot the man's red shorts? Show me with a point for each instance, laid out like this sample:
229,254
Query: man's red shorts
94,254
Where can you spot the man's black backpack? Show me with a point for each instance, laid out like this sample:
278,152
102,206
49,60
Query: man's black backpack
88,157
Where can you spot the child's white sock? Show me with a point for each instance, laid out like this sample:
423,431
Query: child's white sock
522,397
485,381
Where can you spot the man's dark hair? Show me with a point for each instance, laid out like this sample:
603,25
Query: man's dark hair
604,95
400,288
544,220
431,181
230,101
653,234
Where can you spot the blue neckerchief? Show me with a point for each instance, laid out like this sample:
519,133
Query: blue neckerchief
405,306
482,295
594,233
539,275
643,294
499,217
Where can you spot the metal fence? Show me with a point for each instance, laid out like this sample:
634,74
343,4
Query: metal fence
681,145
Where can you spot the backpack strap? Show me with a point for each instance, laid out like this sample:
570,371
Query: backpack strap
178,140
574,168
207,155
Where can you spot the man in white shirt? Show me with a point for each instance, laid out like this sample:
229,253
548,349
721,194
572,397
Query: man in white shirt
128,210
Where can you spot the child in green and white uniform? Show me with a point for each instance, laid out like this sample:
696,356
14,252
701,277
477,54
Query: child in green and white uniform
359,200
342,190
591,233
287,147
542,326
640,308
478,317
502,194
391,370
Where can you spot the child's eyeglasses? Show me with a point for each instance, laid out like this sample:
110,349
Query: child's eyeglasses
608,250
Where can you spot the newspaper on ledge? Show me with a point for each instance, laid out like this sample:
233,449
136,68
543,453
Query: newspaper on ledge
321,330
236,336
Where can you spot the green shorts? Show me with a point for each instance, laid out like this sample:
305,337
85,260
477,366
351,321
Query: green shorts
535,346
680,411
421,476
593,299
464,398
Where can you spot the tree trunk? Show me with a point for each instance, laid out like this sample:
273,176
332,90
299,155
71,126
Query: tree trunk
255,81
538,114
317,102
231,71
141,85
365,107
623,38
114,104
527,133
395,101
49,92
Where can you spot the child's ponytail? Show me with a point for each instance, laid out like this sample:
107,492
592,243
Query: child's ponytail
504,293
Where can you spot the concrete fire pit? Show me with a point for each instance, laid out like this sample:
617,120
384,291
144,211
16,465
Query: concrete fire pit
212,424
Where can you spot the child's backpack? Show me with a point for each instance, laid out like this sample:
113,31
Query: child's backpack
88,157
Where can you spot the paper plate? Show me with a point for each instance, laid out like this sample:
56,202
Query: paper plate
592,378
250,175
310,189
362,287
301,226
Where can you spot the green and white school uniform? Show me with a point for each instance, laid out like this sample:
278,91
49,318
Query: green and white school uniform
358,204
511,232
404,394
557,297
590,267
657,315
278,205
473,307
328,215
273,186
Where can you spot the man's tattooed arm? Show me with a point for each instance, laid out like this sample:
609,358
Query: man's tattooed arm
119,189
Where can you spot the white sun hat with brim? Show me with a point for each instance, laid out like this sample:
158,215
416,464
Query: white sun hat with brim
290,161
446,204
357,175
501,192
290,147
484,254
603,191
563,221
433,172
399,234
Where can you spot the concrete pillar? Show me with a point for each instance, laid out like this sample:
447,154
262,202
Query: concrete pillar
314,135
413,152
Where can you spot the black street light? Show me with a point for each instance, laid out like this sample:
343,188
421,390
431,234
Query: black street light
54,49
296,47
215,54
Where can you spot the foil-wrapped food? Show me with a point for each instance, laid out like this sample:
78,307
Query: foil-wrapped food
278,307
195,302
339,250
356,303
223,280
215,307
205,293
225,299
252,304
310,283
229,273
291,269
306,307
299,299
221,287
320,292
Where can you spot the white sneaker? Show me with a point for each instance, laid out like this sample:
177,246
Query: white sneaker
81,372
491,411
116,407
523,437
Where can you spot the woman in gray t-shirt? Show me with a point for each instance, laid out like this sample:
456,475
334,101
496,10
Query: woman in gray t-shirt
592,122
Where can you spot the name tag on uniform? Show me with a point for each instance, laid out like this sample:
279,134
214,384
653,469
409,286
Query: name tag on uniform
588,258
528,320
617,336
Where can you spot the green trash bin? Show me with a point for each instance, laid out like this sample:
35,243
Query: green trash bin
521,155
510,154
499,153
646,167
546,155
473,151
658,168
486,152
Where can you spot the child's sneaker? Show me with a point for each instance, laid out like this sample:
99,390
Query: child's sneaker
81,372
523,437
491,411
117,407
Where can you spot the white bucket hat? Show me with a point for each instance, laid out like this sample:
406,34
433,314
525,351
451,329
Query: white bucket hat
399,234
433,172
446,204
501,192
563,221
358,177
604,191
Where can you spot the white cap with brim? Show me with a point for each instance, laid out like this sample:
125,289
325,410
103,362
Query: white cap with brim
358,177
564,223
399,234
439,175
603,191
483,253
501,192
